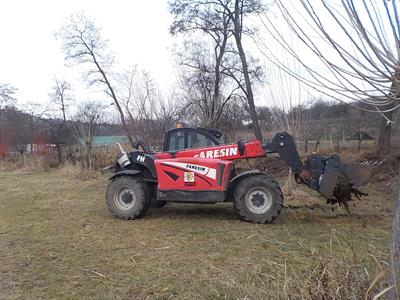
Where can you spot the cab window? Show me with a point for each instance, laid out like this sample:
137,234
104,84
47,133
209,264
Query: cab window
176,141
198,140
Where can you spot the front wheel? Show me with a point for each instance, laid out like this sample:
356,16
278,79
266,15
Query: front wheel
258,199
127,197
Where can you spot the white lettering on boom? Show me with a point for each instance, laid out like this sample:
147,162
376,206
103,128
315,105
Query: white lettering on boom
218,153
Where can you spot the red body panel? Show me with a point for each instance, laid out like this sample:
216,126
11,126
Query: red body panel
193,174
201,169
226,152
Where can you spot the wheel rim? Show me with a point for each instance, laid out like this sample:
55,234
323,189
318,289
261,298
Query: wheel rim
124,198
258,200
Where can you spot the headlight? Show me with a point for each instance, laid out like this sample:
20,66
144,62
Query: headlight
124,160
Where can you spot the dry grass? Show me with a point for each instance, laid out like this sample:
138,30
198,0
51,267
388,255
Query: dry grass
75,172
103,157
58,241
29,163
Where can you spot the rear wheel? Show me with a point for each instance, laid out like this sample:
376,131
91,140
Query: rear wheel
258,199
127,197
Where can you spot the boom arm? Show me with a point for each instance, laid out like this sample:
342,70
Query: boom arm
284,145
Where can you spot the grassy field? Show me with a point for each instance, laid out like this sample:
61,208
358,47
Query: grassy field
57,240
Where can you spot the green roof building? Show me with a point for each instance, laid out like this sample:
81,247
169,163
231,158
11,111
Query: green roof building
103,140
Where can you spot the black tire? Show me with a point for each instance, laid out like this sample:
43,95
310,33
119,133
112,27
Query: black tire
258,199
127,197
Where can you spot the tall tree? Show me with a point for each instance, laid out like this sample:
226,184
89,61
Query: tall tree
358,46
83,44
348,50
221,20
202,78
242,9
199,75
61,96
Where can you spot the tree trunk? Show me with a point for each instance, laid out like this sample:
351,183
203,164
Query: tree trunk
217,81
90,157
317,146
385,132
385,126
242,55
395,244
59,155
112,94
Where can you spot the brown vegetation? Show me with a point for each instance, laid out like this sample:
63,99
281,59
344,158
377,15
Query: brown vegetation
58,241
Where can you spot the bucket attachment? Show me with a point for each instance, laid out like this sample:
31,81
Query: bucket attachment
339,181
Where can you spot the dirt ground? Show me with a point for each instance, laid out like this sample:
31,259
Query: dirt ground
57,240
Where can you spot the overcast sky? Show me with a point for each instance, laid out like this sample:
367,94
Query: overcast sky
30,56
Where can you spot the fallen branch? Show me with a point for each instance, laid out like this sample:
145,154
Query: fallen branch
94,272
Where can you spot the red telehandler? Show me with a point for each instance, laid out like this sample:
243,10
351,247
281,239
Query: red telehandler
195,167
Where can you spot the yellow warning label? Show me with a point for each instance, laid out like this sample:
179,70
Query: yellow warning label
189,176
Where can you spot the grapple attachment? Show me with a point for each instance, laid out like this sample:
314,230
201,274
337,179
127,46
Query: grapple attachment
335,180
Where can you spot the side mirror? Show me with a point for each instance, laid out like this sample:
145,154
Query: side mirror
241,147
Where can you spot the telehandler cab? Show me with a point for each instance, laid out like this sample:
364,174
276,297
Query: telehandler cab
195,167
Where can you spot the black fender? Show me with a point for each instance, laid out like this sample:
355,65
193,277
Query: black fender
145,162
236,179
125,173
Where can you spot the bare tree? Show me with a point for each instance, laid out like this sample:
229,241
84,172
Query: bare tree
198,79
139,94
221,20
202,78
357,45
61,96
150,112
288,100
85,125
7,93
7,100
83,44
242,9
